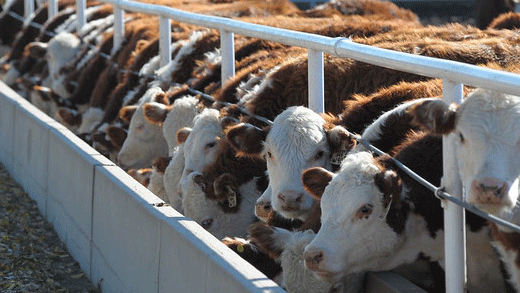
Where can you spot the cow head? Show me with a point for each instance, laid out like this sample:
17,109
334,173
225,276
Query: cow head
145,141
487,139
203,142
358,204
173,117
298,139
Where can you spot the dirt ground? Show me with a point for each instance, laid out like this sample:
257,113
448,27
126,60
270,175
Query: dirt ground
32,257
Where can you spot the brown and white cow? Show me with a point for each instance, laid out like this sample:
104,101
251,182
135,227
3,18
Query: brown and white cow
484,127
375,217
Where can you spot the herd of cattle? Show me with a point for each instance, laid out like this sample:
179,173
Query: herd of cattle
297,197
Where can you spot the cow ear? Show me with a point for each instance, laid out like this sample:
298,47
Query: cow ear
315,180
69,116
340,143
160,98
155,113
226,122
182,134
36,49
246,138
117,135
127,112
160,163
389,184
436,116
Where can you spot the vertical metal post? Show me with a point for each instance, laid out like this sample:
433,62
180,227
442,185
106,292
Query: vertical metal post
119,28
81,6
516,5
454,218
227,49
28,8
316,81
165,42
52,9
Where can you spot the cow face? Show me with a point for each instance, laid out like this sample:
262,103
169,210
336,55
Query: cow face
487,144
145,141
354,234
297,140
204,142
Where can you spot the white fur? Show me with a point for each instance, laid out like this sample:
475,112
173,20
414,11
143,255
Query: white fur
295,138
180,115
145,141
201,146
90,119
489,123
156,184
353,245
172,178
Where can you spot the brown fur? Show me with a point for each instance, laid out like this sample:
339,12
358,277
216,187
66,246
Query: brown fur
435,116
228,173
509,20
237,134
509,240
315,180
141,175
260,234
117,136
127,112
381,9
249,252
161,163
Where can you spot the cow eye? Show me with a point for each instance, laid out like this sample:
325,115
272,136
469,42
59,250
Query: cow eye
364,212
210,145
140,127
319,155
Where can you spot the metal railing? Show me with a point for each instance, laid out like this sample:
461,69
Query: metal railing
454,75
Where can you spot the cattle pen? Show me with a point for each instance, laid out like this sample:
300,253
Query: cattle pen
40,152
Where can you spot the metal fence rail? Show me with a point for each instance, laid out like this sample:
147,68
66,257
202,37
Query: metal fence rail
454,75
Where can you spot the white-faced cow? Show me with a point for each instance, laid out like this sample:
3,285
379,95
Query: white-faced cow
485,128
376,218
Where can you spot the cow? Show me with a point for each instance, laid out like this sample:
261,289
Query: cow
128,156
375,217
483,126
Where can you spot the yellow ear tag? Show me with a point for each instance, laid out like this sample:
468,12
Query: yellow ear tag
240,248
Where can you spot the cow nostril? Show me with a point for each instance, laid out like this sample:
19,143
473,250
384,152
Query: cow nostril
281,197
267,206
318,257
299,198
313,258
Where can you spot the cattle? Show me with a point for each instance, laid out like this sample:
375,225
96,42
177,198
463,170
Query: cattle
319,140
483,126
128,156
485,148
298,139
393,217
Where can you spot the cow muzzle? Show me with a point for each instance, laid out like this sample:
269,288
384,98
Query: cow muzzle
290,200
490,193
